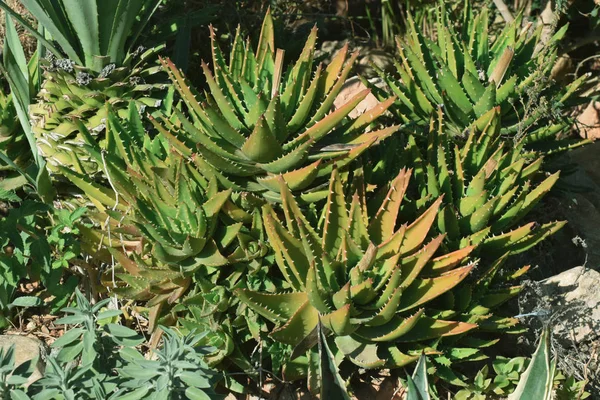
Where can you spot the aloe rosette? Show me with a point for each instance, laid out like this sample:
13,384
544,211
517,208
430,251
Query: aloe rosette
489,187
259,121
367,280
159,201
469,72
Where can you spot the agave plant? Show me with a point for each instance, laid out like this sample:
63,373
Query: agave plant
96,62
259,121
470,72
367,280
488,186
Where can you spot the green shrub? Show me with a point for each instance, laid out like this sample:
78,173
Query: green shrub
97,359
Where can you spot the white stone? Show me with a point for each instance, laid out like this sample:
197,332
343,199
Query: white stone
26,348
575,295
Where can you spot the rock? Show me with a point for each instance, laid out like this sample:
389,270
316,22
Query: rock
572,299
26,348
588,122
351,88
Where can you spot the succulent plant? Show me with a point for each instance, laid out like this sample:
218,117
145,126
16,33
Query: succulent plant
159,196
70,94
468,72
259,121
535,382
96,62
489,187
364,278
178,372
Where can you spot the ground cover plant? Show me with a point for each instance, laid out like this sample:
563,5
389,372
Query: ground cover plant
199,237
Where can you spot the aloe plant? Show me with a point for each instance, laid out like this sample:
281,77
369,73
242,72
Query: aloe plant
536,382
259,120
469,72
367,280
489,186
156,195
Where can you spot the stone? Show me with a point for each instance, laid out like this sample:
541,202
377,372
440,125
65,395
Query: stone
26,348
572,301
588,122
351,88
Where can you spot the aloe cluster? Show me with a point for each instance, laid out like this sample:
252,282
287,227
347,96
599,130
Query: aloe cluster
260,120
249,210
13,142
156,197
468,72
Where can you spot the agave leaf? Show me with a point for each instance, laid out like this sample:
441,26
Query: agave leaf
288,251
418,230
296,180
391,331
430,328
332,384
418,386
262,146
411,267
382,226
537,380
447,262
364,355
336,216
298,326
338,321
